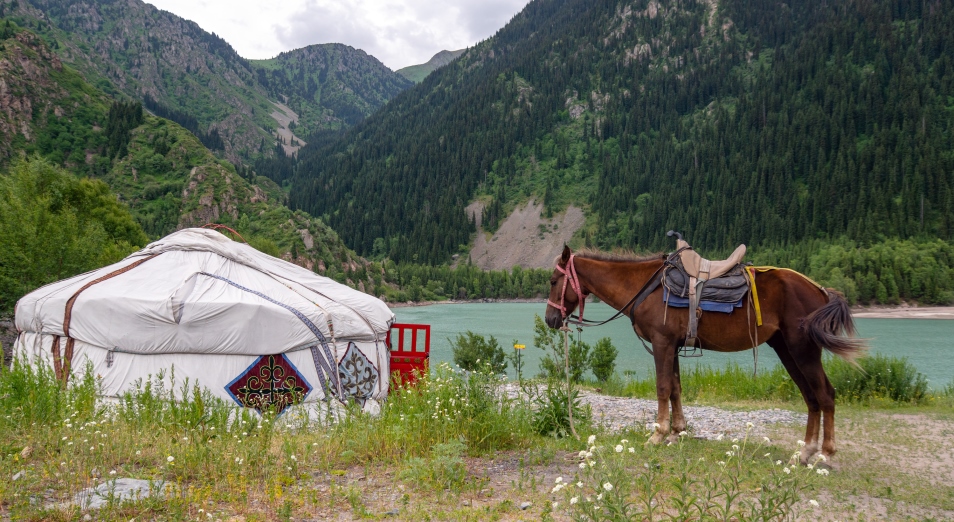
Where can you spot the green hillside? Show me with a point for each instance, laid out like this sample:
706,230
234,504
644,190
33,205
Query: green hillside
417,73
158,171
744,121
195,78
330,85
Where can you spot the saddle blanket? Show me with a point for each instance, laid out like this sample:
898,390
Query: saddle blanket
675,301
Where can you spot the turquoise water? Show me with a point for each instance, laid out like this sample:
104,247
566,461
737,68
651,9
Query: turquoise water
925,342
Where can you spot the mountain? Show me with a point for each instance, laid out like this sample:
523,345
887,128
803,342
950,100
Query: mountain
195,78
329,85
756,121
157,169
416,73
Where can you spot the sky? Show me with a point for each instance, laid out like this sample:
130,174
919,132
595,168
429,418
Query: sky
397,32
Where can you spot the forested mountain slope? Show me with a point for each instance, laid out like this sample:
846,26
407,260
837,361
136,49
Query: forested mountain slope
417,73
158,170
753,121
329,85
194,77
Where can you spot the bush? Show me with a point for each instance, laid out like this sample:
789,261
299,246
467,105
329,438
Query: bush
553,365
603,359
473,352
551,417
879,377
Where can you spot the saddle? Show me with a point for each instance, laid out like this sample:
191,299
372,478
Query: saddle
689,275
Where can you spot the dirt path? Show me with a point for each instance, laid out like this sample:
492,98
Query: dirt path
525,238
285,116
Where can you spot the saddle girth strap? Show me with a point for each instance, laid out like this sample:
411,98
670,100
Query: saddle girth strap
64,364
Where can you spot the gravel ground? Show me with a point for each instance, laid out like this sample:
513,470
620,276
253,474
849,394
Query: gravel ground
705,422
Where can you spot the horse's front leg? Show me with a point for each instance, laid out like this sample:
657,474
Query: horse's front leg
675,397
663,352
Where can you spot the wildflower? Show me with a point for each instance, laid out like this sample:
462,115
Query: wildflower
92,448
64,438
801,443
735,440
632,450
822,457
138,452
185,439
556,505
656,425
767,455
557,488
720,437
810,466
608,487
735,447
766,440
579,484
624,441
170,458
778,463
786,470
574,500
294,458
822,471
558,480
62,464
682,433
619,448
582,465
749,425
813,502
582,454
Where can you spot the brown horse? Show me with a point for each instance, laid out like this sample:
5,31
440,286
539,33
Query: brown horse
799,318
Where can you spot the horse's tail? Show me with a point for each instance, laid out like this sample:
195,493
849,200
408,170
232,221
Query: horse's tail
832,327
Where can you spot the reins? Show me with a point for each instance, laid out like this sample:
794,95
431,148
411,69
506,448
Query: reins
571,278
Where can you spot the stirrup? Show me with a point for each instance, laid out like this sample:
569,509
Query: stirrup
691,348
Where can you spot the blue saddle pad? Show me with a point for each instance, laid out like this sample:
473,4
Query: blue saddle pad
707,306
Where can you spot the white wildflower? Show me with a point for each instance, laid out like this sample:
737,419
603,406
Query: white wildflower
608,487
683,434
813,502
619,448
786,470
766,440
582,465
749,425
170,458
556,505
624,441
574,500
800,443
591,440
822,471
632,450
720,437
558,480
579,484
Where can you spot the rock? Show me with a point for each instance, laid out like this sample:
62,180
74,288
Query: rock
27,451
465,503
525,505
18,476
119,490
392,513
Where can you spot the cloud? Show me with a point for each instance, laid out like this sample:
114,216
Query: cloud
397,32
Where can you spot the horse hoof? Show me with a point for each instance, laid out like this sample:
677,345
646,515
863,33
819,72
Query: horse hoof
655,439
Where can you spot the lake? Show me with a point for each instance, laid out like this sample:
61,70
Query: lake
925,342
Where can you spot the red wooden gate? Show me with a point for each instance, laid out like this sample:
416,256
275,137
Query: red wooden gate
405,361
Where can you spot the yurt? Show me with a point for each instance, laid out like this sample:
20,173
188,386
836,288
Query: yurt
253,329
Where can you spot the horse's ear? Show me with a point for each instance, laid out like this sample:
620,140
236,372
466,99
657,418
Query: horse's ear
566,254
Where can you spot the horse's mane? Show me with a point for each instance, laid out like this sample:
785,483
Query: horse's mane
618,255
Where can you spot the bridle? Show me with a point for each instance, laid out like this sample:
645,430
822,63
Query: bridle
569,277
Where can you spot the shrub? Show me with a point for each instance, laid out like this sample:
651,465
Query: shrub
879,377
552,415
603,359
472,351
553,365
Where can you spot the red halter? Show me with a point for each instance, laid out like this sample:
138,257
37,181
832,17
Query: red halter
571,277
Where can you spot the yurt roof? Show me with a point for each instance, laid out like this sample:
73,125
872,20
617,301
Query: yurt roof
197,291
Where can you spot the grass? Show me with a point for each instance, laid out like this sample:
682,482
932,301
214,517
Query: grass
452,448
877,381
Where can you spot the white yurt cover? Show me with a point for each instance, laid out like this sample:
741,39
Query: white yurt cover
252,328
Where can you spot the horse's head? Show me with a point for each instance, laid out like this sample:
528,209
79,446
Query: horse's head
565,290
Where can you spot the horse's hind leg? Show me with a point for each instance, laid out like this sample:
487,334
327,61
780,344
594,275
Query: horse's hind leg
808,394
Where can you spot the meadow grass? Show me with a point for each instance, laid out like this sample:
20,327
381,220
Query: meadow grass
876,381
454,447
